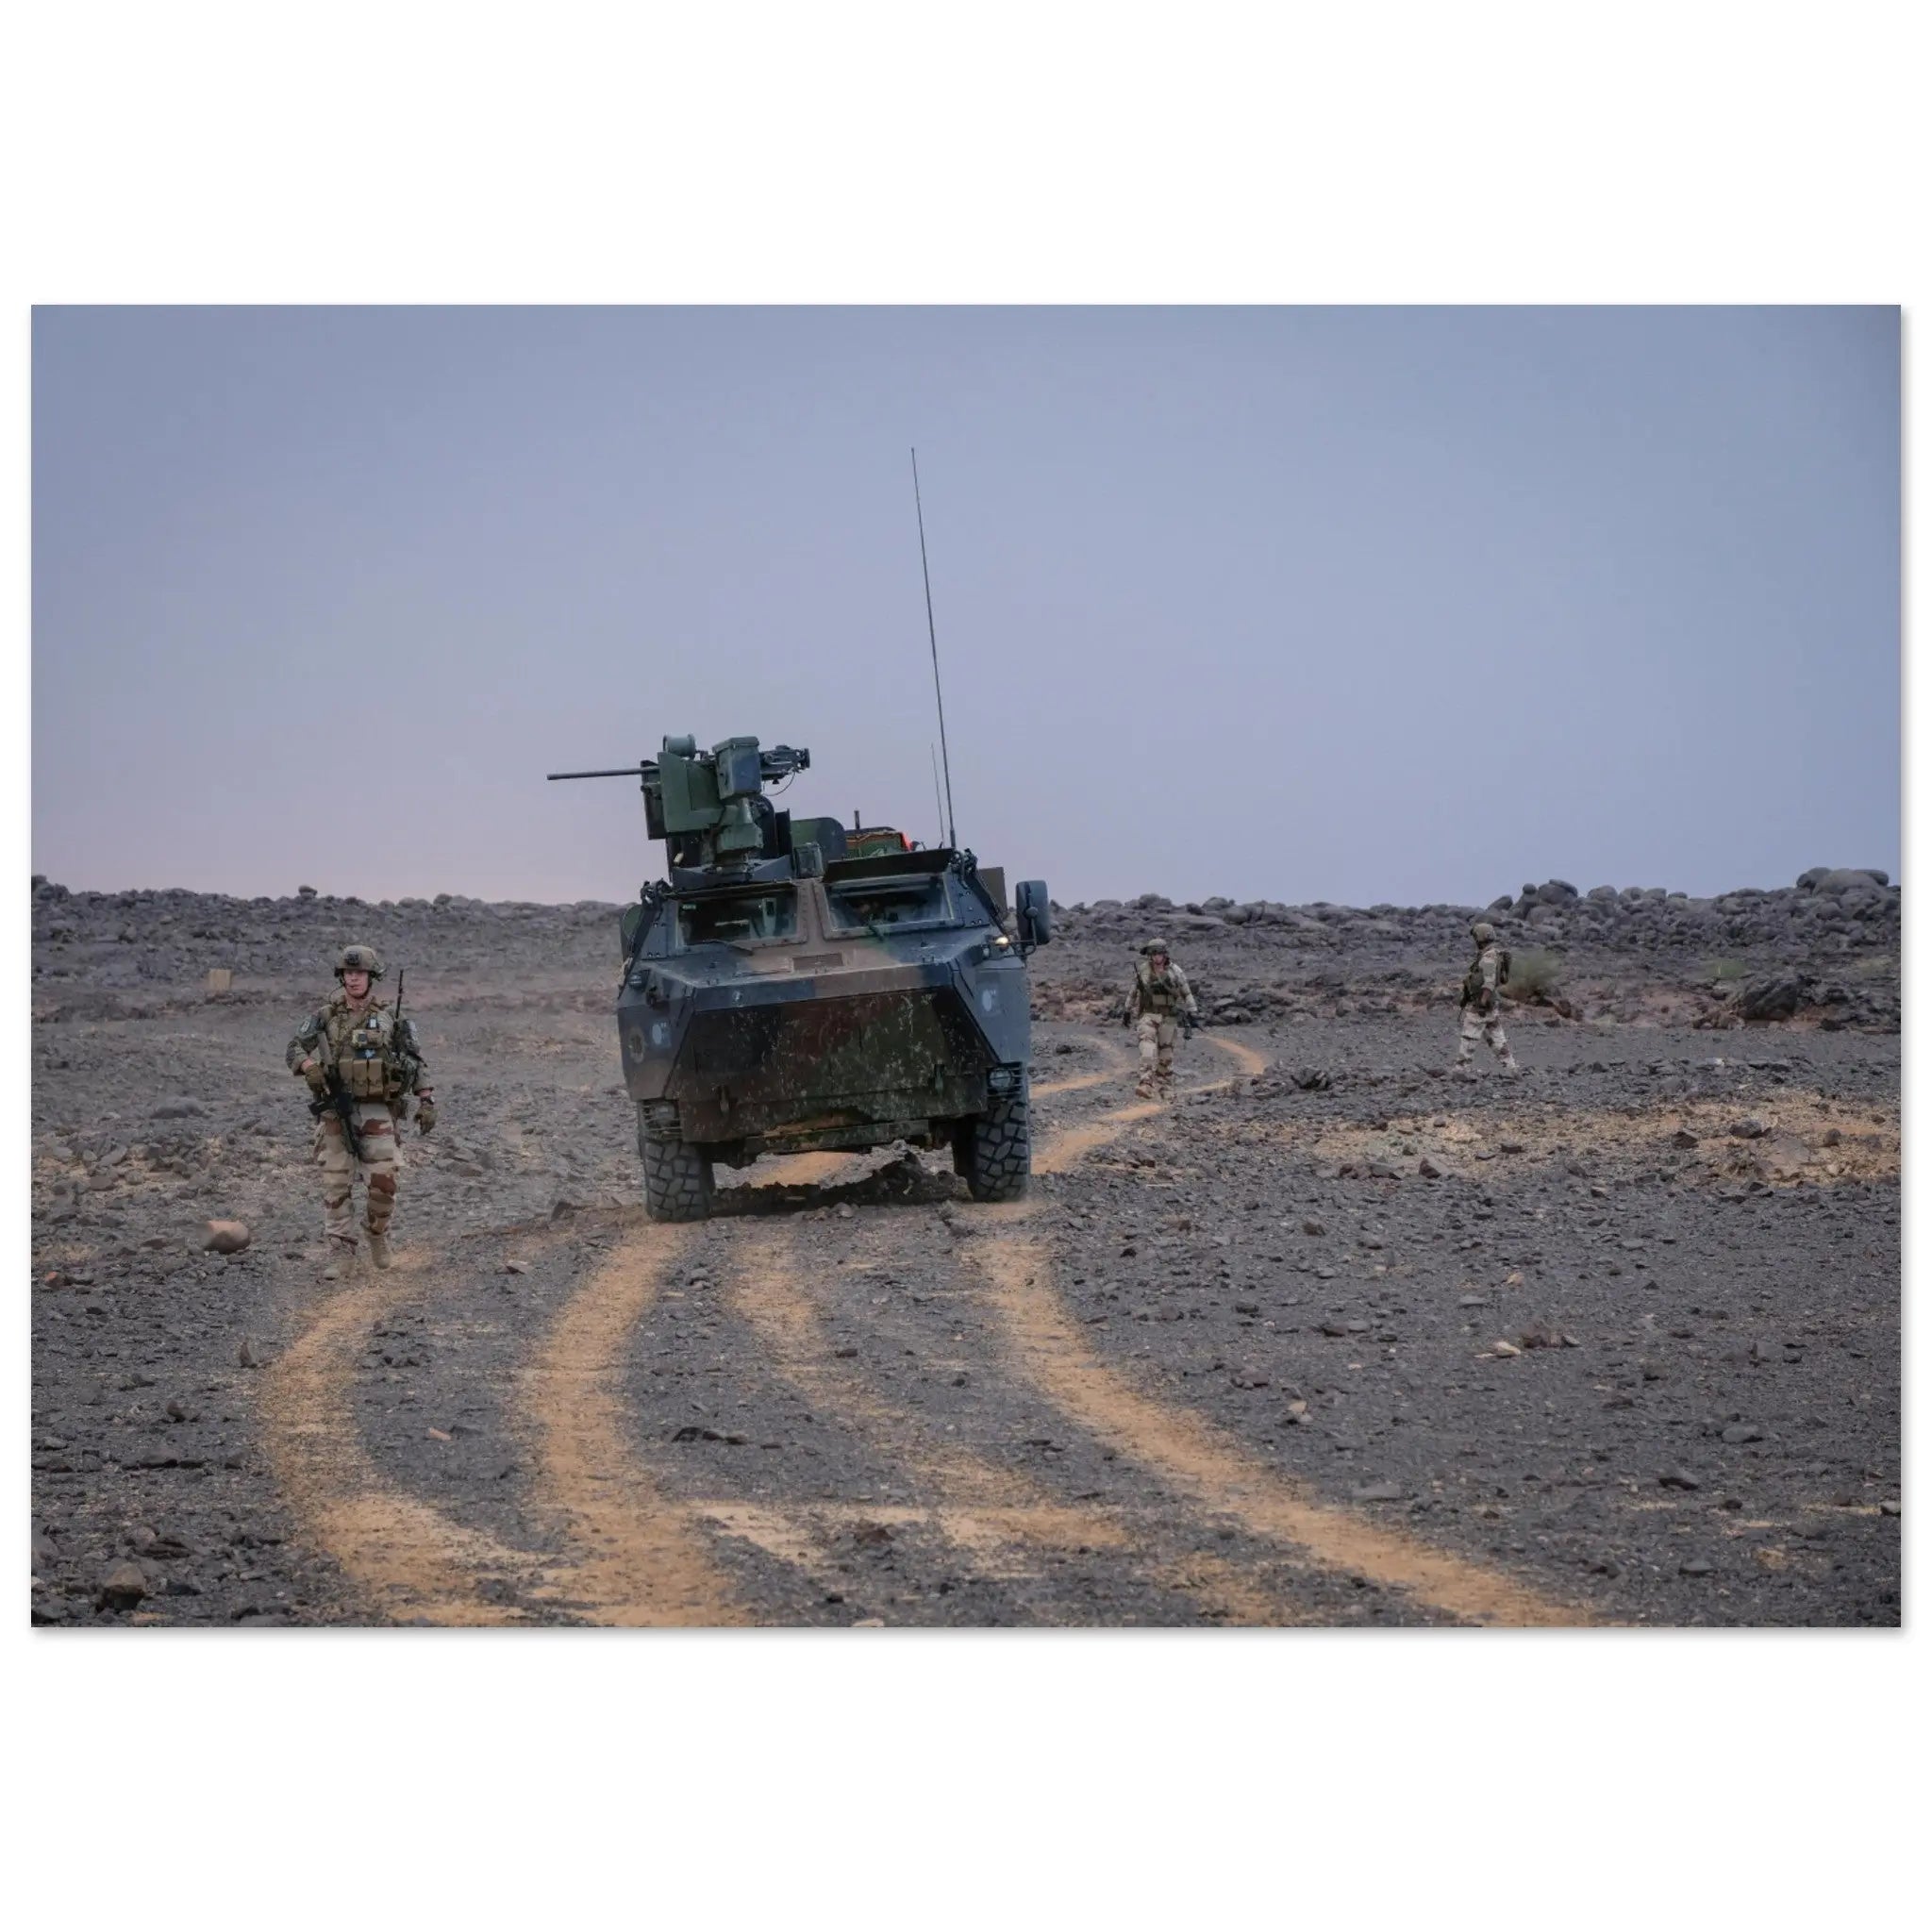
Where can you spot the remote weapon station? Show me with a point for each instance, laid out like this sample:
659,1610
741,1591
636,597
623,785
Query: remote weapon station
793,985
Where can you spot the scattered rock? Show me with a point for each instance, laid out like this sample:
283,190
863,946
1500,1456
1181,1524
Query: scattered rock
227,1236
1678,1479
123,1586
1378,1492
1546,1335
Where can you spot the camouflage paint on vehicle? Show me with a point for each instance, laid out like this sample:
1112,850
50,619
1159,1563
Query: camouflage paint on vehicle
784,991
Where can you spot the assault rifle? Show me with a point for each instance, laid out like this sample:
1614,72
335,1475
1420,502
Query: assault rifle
335,1098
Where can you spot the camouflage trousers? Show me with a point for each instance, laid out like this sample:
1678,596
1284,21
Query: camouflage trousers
1488,1026
382,1162
1157,1051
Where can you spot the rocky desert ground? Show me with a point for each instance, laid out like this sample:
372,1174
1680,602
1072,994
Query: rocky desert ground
1334,1339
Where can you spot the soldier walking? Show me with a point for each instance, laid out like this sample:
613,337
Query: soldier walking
1158,1001
1482,1002
356,1047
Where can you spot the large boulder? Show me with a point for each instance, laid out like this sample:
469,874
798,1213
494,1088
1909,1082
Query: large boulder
1842,879
1774,996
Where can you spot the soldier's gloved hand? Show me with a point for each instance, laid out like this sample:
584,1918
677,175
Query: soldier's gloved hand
1486,1001
426,1114
311,1072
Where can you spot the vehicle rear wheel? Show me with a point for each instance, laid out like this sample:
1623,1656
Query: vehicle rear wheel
677,1180
994,1151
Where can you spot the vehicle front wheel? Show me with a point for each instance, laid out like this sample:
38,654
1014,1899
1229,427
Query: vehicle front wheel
994,1151
677,1180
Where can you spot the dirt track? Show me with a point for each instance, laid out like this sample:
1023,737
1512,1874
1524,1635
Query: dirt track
1150,1394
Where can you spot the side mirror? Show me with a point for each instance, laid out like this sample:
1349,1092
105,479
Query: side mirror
627,925
1033,912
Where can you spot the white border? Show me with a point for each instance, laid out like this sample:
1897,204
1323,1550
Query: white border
1645,152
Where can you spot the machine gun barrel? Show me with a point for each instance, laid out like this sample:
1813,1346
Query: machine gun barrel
644,769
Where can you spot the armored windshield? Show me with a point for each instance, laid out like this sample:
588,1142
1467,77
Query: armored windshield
890,903
737,918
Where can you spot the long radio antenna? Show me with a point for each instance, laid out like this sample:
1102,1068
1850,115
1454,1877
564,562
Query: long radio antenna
938,805
919,509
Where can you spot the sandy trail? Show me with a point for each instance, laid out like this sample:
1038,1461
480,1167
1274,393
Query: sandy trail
1199,1460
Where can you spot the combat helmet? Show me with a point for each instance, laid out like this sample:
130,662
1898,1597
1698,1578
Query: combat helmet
1149,947
1482,932
360,959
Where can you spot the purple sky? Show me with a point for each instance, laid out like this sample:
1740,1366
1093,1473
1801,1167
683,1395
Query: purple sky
1360,605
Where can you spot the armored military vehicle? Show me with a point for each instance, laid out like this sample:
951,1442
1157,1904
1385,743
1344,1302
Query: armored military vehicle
791,986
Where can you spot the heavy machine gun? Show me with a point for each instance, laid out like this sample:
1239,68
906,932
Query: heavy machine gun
709,807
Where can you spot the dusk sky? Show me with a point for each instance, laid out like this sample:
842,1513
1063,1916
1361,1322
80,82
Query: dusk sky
1359,604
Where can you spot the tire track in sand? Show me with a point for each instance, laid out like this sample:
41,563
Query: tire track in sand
641,1559
1194,1457
1078,1083
980,1507
405,1556
1073,1144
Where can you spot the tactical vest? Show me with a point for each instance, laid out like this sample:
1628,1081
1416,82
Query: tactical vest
363,1047
1473,980
1160,997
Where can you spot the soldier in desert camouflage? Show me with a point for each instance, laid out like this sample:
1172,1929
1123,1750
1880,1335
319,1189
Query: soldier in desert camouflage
1482,1002
1158,1001
376,1058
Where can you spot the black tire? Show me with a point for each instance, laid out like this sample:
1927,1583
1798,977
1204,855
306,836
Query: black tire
677,1181
995,1152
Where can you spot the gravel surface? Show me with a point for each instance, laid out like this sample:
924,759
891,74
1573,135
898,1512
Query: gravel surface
1336,1338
